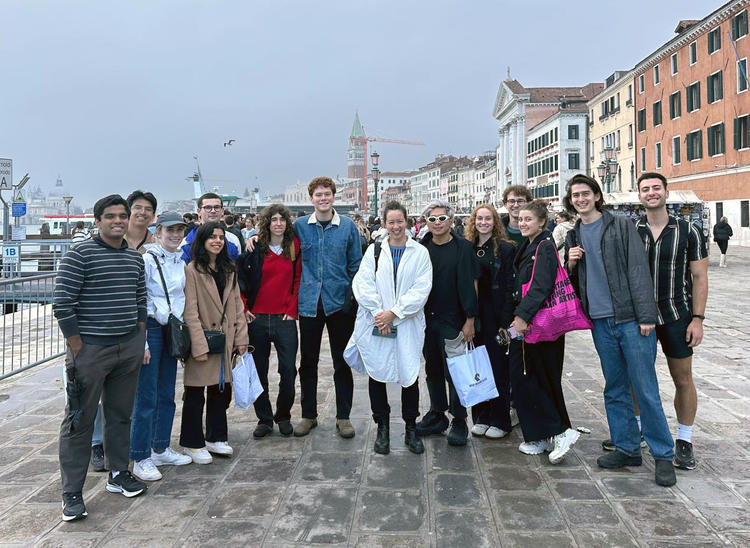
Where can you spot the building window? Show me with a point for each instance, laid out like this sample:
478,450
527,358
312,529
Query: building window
744,213
657,113
676,150
694,145
675,105
642,120
742,132
719,210
715,87
658,155
693,53
714,40
643,159
573,132
630,135
739,25
693,97
630,93
674,64
715,137
741,75
555,134
641,84
656,75
618,140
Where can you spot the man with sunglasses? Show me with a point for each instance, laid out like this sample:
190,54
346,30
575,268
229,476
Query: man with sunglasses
211,209
449,313
514,198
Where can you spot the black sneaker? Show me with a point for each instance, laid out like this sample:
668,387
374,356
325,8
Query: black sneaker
97,458
73,507
618,459
434,422
285,428
126,484
664,474
262,430
458,433
683,455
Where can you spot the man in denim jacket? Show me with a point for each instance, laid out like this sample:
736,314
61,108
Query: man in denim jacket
331,253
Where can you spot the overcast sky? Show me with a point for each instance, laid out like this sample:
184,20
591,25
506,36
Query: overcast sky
114,96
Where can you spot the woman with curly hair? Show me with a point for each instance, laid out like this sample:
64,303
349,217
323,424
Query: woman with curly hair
269,279
495,254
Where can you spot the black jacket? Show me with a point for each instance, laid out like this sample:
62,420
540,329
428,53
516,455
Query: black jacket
503,282
626,266
722,231
545,275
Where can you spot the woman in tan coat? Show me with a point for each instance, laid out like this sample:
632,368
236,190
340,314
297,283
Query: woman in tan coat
213,303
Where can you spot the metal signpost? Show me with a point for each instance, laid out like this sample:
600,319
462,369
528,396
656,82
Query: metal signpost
11,253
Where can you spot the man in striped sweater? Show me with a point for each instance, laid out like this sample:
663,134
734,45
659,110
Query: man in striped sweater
100,305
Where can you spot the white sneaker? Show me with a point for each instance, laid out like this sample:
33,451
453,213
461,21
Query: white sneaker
563,443
479,429
536,447
198,456
495,433
145,470
170,457
513,417
219,448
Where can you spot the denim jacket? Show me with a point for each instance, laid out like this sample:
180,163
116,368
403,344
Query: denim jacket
330,259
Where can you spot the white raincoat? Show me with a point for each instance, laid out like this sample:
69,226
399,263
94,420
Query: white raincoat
382,358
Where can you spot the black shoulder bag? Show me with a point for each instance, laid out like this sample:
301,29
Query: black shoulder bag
178,336
216,338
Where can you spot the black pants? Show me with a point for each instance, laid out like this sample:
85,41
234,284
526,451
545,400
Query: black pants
340,327
379,401
537,393
267,329
217,402
436,369
722,246
495,412
110,372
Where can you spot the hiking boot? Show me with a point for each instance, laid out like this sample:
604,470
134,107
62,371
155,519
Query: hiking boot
411,439
345,428
664,475
73,507
97,458
536,447
618,459
434,422
383,439
683,455
285,428
125,484
458,433
146,471
303,427
563,442
262,430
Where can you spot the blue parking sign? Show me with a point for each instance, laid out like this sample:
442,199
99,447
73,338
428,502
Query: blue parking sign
18,209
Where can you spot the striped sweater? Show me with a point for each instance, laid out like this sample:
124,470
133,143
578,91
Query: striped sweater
100,292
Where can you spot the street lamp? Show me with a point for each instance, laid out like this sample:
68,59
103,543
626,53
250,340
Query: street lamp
608,168
67,200
375,157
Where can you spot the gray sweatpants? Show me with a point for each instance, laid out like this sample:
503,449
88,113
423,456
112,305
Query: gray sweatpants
110,373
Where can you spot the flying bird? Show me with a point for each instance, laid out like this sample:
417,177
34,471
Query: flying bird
229,142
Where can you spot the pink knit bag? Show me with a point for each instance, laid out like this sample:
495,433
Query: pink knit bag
561,311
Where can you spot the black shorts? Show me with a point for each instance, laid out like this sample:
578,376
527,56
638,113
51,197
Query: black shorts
672,338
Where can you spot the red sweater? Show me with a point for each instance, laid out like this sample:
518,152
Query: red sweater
276,295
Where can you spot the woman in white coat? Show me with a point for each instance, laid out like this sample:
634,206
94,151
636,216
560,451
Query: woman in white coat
391,287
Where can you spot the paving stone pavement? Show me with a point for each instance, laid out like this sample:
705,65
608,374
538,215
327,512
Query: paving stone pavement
322,489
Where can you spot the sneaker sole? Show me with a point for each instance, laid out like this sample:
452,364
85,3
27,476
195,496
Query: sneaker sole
173,463
74,518
118,489
143,478
683,466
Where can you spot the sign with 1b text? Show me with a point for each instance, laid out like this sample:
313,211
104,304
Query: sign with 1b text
11,254
6,174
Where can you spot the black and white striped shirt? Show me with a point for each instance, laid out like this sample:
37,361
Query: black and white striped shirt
100,292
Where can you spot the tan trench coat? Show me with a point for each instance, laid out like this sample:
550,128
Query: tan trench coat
203,310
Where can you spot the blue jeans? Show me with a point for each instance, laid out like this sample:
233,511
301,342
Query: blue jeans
154,407
627,359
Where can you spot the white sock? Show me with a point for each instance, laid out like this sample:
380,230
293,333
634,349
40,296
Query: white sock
684,432
115,473
638,420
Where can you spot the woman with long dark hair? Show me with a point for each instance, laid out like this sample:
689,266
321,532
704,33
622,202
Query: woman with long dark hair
213,304
269,280
495,254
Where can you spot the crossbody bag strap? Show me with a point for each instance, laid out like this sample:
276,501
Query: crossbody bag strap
163,280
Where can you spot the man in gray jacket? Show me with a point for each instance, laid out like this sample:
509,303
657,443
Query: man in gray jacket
609,267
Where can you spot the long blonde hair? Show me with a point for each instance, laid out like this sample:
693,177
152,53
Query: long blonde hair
498,229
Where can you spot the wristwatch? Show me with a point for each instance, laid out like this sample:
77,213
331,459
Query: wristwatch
701,316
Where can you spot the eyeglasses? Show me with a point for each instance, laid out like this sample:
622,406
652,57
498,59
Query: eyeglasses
519,201
441,218
213,208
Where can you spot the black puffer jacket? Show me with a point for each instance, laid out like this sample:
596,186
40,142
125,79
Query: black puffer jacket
722,231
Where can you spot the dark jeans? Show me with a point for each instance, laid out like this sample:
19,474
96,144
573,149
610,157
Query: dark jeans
109,372
436,369
495,412
217,402
267,329
379,401
340,327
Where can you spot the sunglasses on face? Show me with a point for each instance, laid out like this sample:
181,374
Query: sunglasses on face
441,218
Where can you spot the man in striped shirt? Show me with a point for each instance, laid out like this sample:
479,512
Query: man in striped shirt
100,305
678,259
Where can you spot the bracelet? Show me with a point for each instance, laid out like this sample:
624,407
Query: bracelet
701,316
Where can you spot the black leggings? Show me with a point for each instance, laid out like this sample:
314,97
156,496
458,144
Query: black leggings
722,246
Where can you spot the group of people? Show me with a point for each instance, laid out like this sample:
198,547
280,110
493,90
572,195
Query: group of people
407,299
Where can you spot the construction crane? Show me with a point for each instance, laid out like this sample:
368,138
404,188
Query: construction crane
363,141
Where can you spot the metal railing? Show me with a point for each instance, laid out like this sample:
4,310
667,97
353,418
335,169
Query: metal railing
30,334
31,256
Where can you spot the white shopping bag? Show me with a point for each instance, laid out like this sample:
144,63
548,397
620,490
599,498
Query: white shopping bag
247,386
472,376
